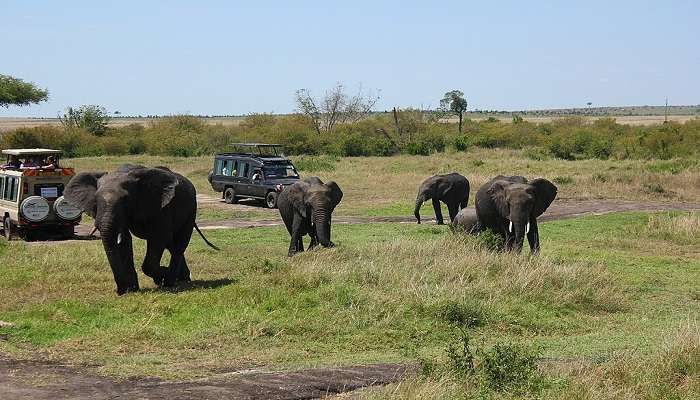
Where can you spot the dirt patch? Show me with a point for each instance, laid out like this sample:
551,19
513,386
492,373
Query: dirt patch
40,380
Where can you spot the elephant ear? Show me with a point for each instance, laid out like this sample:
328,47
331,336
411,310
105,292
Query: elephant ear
546,192
157,188
336,193
497,191
80,191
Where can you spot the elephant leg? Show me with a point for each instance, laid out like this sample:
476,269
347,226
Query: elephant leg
180,243
533,237
174,268
438,211
151,263
129,282
453,209
314,238
183,274
296,244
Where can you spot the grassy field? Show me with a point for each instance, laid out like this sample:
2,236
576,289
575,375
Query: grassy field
610,309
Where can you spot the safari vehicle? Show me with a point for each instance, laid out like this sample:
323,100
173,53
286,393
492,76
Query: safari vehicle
252,170
31,194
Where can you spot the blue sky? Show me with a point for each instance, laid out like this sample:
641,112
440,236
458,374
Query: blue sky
209,57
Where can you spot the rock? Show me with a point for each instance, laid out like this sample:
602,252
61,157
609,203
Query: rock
4,324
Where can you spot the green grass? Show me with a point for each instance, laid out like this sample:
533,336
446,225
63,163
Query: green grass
602,285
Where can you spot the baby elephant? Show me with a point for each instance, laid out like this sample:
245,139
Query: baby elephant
466,221
452,189
306,208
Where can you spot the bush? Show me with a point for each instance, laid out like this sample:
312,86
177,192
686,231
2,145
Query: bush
461,143
509,367
417,149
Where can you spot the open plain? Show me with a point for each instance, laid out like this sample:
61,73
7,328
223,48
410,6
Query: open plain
609,293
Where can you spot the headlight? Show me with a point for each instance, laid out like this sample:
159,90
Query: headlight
35,208
66,210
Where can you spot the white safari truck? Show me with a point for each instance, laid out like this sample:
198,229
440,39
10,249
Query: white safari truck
31,194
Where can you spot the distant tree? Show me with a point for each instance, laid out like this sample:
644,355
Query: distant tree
16,92
335,107
92,118
454,103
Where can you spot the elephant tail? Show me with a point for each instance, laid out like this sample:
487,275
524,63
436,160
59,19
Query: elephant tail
205,239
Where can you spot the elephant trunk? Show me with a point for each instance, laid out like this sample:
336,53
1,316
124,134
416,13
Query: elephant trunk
419,202
322,223
117,244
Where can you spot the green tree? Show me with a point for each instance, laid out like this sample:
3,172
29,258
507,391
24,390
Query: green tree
16,92
454,103
92,118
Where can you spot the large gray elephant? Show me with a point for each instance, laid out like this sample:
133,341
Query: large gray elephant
452,189
154,204
510,205
306,208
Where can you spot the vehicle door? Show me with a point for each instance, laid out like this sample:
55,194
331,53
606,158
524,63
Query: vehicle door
242,187
257,181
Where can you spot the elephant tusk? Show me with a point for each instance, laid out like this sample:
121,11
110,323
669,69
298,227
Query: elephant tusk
510,227
119,238
527,228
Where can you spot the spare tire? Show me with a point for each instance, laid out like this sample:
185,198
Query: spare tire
35,208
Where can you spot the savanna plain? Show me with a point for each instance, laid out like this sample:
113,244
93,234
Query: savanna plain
610,308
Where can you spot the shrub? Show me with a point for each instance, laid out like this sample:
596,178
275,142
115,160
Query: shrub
461,143
417,149
510,367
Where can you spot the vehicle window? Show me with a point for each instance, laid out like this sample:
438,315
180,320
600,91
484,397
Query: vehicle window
234,172
281,171
219,166
242,169
8,189
10,192
2,187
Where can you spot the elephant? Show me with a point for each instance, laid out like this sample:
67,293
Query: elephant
155,204
452,189
306,208
467,221
510,205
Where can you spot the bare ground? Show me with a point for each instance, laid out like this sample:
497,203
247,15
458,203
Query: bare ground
39,380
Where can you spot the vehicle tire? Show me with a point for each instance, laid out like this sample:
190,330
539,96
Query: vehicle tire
230,196
8,228
271,200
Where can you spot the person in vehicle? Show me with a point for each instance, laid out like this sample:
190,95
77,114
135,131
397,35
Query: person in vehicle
14,163
50,162
29,162
257,174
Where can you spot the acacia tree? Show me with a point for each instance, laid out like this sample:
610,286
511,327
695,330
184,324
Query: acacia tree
454,103
92,118
335,107
16,92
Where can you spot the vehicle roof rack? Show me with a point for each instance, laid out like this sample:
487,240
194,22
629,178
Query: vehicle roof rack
259,147
30,152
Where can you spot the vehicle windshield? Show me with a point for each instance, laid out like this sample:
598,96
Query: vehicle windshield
280,171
